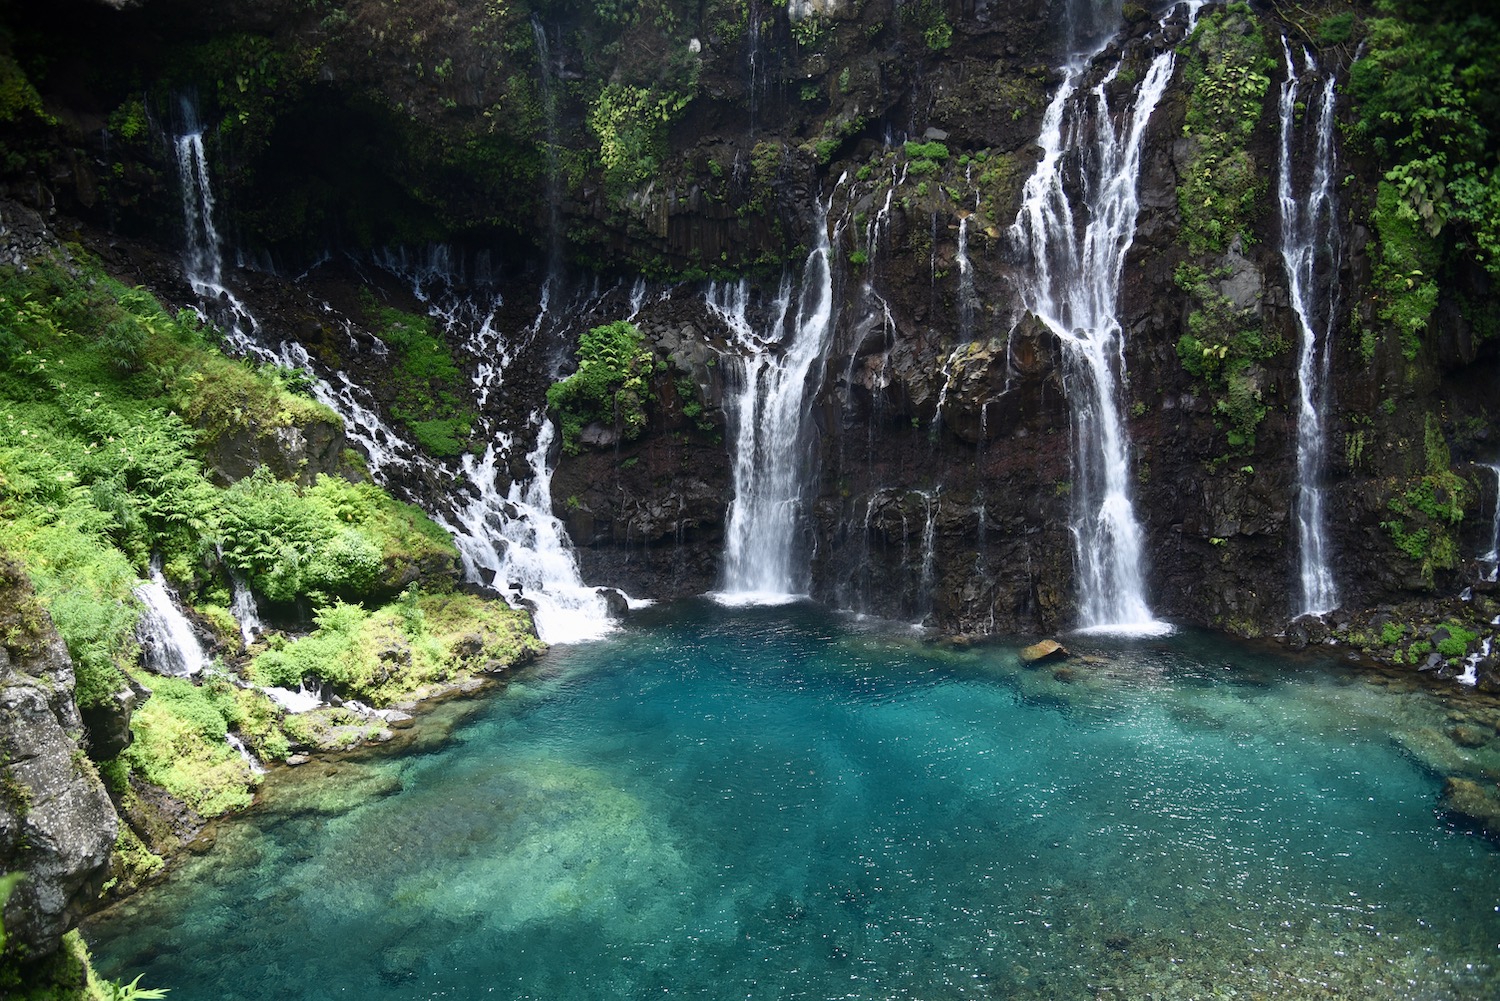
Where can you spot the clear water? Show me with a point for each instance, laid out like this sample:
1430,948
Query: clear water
774,803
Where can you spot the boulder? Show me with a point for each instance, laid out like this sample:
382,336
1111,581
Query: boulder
1045,650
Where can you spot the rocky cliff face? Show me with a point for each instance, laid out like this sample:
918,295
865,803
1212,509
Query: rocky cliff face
556,147
57,825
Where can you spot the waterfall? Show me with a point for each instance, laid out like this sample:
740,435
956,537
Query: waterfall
513,542
1310,248
201,249
967,298
203,259
1074,287
1493,556
503,536
549,115
256,768
242,607
168,643
778,378
930,504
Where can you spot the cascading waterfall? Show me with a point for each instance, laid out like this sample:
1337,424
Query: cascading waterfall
1493,556
549,116
777,379
503,537
1074,290
168,643
930,504
256,768
242,607
1310,248
512,542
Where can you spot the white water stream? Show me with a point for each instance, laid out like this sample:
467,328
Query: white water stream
1077,252
1310,248
505,532
778,376
168,644
1492,558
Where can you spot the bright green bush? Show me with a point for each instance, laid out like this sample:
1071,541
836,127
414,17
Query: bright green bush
426,378
610,386
179,745
333,539
1457,643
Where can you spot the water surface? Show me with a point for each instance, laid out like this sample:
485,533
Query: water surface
776,803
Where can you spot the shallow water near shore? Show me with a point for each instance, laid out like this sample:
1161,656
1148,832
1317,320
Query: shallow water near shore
780,803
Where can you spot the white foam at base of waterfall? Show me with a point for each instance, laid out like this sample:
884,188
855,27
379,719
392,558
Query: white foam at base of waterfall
513,542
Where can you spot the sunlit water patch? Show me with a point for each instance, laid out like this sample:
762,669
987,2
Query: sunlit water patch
773,803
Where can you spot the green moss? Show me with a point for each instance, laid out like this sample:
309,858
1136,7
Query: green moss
1429,508
66,975
1457,643
1405,273
1222,348
18,97
179,745
426,378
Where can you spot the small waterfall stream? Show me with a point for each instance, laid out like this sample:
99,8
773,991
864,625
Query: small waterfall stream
1492,558
242,607
1310,248
1074,290
512,541
778,378
168,644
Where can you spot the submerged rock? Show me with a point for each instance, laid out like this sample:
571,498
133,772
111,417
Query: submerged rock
1473,801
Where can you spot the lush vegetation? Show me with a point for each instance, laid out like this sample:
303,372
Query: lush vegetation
1427,95
108,404
1222,349
381,656
611,386
1227,74
1428,508
335,539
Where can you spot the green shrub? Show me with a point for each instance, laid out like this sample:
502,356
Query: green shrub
1457,643
384,655
426,378
179,745
610,386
